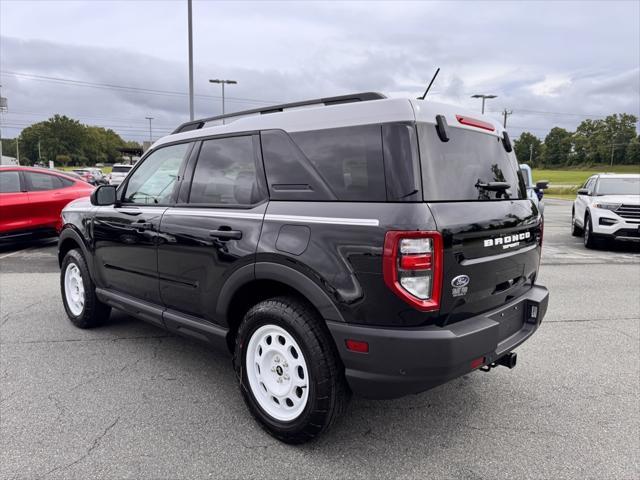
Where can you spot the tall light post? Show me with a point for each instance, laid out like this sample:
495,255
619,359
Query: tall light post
150,134
223,82
483,97
190,41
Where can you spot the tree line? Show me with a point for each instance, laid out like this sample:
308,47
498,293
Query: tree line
609,141
67,142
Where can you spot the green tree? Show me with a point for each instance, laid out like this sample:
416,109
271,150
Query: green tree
528,149
558,145
632,155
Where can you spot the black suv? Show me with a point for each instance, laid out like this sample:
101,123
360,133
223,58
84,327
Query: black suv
346,244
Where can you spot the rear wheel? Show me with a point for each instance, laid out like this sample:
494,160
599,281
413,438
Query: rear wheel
575,230
290,376
78,292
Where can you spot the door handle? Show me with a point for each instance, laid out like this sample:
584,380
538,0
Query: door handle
142,226
226,234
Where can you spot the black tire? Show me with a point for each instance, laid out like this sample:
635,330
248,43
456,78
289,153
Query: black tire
576,231
587,234
328,393
94,312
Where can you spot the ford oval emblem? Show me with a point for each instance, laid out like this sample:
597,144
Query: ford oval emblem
460,281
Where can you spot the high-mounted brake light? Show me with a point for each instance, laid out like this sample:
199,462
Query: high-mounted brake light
474,122
412,267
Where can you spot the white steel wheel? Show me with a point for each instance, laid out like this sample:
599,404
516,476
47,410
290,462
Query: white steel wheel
74,289
277,373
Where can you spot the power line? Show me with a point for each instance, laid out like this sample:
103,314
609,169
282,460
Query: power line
111,86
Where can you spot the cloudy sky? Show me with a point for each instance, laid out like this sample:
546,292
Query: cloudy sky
113,63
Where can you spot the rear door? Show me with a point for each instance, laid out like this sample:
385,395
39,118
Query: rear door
491,234
14,203
126,234
214,229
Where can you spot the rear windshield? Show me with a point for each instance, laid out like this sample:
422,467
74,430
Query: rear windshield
471,166
618,186
122,169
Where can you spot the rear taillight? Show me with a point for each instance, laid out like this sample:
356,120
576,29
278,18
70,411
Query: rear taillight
412,267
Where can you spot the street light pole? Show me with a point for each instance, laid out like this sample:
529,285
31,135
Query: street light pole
150,134
190,61
223,82
483,97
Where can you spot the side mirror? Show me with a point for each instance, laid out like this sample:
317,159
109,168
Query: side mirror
542,184
104,195
583,191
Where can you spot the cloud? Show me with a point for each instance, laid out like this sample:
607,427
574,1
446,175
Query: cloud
568,63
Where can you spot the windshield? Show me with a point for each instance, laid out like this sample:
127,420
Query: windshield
618,186
471,166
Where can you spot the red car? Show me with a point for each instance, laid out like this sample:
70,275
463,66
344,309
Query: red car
31,200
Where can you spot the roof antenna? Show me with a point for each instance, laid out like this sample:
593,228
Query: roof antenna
430,83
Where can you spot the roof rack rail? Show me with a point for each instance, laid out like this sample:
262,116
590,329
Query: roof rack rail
354,97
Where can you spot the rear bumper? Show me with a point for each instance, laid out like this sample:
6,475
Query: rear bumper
404,361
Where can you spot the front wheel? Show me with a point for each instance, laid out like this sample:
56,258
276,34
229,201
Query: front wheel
78,292
589,240
290,376
575,230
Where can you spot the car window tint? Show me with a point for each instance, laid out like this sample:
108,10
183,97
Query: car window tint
349,159
66,182
154,180
226,173
42,181
9,182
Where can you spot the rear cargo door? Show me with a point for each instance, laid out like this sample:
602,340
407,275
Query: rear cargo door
491,231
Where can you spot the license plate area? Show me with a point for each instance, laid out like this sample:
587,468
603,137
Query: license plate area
511,320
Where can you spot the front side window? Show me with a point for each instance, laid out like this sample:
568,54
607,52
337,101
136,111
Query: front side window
154,180
39,182
9,182
226,173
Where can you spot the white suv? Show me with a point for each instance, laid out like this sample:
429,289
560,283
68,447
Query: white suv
607,205
118,173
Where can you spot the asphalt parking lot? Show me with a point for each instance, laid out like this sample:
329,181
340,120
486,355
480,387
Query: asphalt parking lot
127,400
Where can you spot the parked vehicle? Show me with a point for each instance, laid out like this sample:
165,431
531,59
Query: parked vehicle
31,200
118,173
347,244
94,176
535,192
607,207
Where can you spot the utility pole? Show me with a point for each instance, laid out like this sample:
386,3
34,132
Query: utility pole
190,61
3,108
150,133
612,148
223,82
18,149
505,114
39,152
530,153
483,97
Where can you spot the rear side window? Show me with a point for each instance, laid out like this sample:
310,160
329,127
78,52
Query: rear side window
462,168
9,182
348,159
41,181
226,173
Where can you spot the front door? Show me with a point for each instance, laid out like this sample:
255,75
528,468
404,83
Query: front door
126,234
215,229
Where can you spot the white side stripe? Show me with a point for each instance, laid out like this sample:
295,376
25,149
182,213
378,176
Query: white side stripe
212,213
363,222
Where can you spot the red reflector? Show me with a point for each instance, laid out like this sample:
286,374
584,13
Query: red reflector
357,346
474,122
415,262
478,362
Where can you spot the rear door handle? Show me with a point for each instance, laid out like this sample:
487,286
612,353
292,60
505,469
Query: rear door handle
226,234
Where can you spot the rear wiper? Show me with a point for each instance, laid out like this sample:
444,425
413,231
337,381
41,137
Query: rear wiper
492,186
